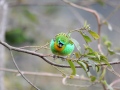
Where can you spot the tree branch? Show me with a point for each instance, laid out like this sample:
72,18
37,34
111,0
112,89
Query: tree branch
46,59
95,13
21,72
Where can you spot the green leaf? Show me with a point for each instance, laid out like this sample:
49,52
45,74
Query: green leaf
90,55
94,34
97,55
105,60
83,65
90,50
77,54
86,25
94,66
107,43
76,44
97,68
111,52
72,67
92,78
86,38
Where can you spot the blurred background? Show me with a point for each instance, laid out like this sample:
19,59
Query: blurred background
36,22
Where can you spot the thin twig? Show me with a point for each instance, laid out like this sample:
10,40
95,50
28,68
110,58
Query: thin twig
95,13
46,59
31,73
21,72
115,82
45,74
113,71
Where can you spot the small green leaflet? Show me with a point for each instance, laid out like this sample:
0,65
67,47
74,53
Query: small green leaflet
97,68
94,66
83,65
86,38
111,52
93,78
107,43
86,25
77,54
93,34
90,50
72,67
105,60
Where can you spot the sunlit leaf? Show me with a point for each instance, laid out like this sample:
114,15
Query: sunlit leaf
86,25
83,65
107,43
77,54
94,66
111,52
90,50
94,34
86,38
72,67
91,55
104,59
97,68
97,55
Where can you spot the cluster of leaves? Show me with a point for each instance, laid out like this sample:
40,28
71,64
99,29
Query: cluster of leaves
108,45
17,36
89,57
